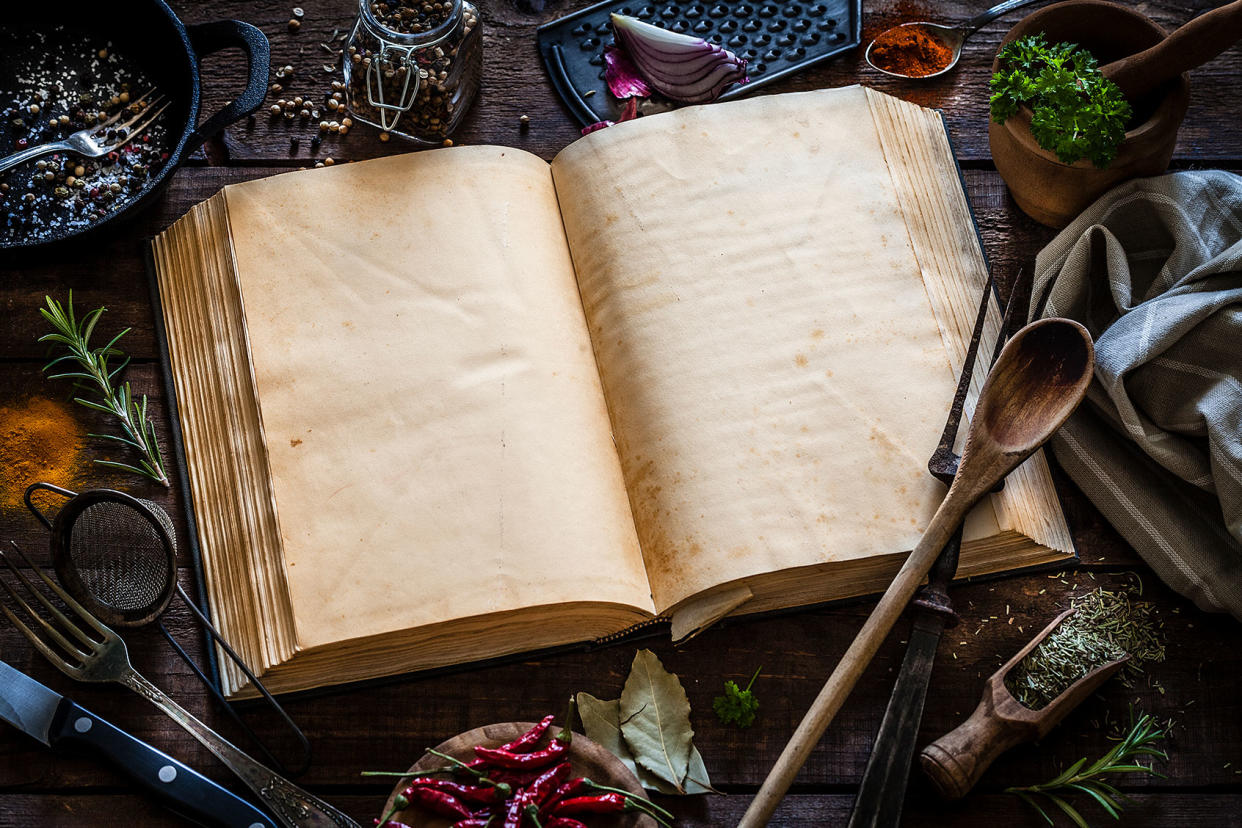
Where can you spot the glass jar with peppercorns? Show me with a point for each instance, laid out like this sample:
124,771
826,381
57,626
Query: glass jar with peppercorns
412,67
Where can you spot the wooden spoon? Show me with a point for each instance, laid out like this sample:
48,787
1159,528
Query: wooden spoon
955,761
1192,45
1036,383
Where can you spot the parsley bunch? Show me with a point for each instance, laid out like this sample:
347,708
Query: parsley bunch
737,706
1077,112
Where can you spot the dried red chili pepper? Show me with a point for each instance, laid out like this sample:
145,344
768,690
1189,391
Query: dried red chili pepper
473,822
438,802
515,811
606,803
564,822
478,794
392,823
514,779
547,784
531,737
584,785
572,788
524,761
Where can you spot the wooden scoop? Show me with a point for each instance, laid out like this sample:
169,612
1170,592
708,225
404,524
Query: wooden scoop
955,761
1192,45
1036,383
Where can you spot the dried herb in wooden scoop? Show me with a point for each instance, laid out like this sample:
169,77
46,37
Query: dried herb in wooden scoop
1083,647
1104,627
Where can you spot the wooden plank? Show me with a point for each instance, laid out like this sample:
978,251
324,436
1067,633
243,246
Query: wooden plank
515,82
384,726
387,726
106,272
123,809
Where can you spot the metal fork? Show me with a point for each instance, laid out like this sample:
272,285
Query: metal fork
94,141
86,650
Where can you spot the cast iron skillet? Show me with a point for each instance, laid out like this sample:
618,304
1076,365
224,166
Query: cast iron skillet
168,51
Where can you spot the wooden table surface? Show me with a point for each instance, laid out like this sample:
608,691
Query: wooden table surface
386,727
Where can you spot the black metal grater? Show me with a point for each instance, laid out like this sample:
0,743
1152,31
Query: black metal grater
776,37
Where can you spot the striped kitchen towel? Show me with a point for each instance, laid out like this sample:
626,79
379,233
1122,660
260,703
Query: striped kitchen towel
1154,270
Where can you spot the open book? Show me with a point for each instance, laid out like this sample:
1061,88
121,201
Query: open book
457,404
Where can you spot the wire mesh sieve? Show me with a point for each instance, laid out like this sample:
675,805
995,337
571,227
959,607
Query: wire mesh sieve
117,555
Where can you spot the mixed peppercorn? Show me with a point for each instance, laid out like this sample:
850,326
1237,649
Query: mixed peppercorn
67,81
520,784
419,88
411,16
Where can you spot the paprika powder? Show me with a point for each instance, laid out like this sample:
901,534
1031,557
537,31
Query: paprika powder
40,440
910,50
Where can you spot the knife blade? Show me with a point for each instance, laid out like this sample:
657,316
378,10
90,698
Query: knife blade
57,722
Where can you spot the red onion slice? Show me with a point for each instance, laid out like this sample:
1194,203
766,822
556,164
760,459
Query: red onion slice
681,67
622,77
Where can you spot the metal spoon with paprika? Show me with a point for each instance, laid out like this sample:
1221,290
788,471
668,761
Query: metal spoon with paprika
932,47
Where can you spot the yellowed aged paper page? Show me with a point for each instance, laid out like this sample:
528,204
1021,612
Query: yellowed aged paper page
437,436
775,373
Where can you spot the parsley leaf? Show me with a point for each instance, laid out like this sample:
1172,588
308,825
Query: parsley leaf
737,706
1076,111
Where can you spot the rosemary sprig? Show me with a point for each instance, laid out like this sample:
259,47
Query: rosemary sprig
93,370
1089,779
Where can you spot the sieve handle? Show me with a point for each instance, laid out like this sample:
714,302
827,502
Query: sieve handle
292,806
48,487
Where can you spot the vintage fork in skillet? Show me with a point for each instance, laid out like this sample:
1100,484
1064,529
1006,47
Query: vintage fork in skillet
86,650
94,141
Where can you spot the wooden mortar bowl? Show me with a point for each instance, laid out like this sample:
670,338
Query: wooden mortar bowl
1054,193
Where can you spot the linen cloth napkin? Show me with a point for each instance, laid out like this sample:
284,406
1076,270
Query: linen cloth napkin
1154,271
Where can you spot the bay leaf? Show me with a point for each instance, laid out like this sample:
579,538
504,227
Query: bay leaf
655,720
696,781
601,721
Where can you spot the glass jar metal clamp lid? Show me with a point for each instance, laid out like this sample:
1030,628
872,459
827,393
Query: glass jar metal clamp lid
413,67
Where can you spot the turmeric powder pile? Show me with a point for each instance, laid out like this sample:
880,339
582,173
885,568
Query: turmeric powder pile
40,441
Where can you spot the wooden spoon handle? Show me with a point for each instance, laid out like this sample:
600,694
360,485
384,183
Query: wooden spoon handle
855,661
1192,45
955,761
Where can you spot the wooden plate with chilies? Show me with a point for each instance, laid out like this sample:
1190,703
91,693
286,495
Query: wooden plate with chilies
586,759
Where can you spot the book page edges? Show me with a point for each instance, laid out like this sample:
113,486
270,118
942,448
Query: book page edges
473,639
831,582
946,244
196,271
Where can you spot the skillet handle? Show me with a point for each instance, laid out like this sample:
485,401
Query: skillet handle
223,34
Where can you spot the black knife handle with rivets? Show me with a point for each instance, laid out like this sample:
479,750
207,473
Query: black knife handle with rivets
186,791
